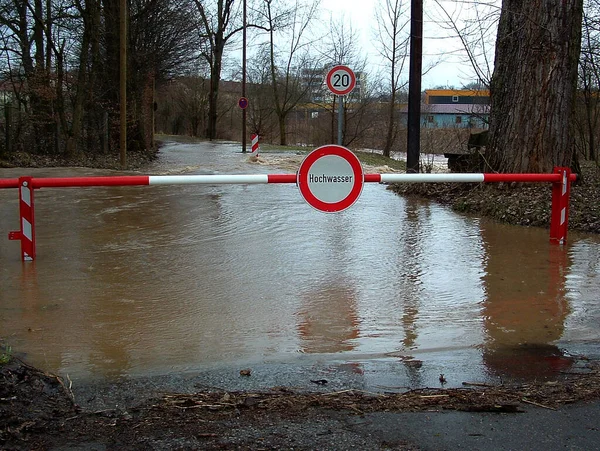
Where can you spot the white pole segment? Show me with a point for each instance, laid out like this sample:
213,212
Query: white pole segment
431,178
207,179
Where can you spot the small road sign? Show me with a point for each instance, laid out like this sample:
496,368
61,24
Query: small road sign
243,103
330,178
341,80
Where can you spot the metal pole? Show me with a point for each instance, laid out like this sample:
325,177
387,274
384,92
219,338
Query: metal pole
123,82
414,86
340,120
244,80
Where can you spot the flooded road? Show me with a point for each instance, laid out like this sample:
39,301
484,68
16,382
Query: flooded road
156,279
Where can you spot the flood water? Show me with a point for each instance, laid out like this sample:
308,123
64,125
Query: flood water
155,279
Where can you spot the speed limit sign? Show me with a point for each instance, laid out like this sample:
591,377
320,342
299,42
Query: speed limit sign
341,80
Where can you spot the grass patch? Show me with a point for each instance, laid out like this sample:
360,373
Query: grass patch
374,159
276,148
179,138
5,355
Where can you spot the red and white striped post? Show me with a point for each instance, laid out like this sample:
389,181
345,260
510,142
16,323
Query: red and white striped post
559,219
27,220
255,144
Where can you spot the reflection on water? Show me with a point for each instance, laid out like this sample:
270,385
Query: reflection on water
138,280
525,308
328,321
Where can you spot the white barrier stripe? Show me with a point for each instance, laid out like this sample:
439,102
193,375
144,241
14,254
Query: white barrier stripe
431,178
27,229
207,179
26,195
563,216
564,183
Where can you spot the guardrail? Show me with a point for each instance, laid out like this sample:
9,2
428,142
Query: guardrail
561,179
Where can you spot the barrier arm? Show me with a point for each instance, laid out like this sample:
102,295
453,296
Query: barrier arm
561,180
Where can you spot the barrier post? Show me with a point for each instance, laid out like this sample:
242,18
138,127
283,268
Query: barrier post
255,144
27,220
559,219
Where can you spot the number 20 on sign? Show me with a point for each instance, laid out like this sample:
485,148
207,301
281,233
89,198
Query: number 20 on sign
341,80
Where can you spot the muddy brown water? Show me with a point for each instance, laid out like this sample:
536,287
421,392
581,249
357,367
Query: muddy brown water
148,280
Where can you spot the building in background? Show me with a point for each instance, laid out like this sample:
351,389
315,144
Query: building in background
456,108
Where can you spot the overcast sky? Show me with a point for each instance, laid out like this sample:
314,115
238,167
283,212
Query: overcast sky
437,43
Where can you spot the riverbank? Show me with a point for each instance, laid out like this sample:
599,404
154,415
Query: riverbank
518,204
42,411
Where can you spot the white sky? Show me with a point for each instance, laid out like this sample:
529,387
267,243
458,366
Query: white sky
452,70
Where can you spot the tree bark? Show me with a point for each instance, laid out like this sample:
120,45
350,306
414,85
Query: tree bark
213,96
534,84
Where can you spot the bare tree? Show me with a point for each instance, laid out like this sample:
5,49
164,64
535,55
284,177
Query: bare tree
294,69
394,38
534,85
474,25
220,22
261,113
341,47
587,118
62,57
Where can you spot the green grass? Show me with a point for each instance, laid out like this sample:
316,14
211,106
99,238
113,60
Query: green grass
179,138
268,148
375,159
5,355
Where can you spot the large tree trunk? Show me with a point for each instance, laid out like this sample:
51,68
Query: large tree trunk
534,84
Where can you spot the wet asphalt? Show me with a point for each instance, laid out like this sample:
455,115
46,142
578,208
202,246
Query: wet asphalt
571,427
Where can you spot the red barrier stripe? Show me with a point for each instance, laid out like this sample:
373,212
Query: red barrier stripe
9,183
529,178
375,178
281,178
63,182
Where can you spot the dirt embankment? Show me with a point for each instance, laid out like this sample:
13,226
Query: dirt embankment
39,411
526,204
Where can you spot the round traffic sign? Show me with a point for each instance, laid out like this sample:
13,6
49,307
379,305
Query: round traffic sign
243,103
341,80
330,178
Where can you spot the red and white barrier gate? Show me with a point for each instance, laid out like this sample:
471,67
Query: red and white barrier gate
561,180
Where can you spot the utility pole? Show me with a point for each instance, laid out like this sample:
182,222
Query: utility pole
414,86
123,82
244,79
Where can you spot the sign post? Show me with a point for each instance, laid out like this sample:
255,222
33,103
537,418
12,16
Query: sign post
330,178
341,81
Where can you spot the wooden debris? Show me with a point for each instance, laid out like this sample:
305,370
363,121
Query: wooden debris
477,384
537,404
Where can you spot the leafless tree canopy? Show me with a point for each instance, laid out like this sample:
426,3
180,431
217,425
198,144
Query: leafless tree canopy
59,74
